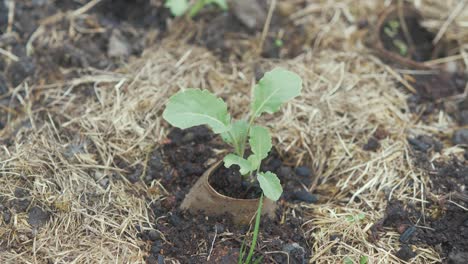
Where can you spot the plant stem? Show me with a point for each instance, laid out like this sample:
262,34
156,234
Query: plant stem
256,229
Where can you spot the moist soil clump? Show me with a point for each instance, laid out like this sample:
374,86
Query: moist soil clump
444,223
177,165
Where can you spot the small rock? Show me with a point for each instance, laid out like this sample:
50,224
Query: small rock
460,137
303,171
458,257
274,164
161,259
405,253
37,217
104,182
285,172
154,235
20,70
304,196
372,145
118,45
425,143
156,247
250,13
296,252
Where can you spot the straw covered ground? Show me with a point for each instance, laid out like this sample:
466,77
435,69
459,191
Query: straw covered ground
74,147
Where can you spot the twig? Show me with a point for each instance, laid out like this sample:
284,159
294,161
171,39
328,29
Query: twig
266,27
212,244
401,80
456,11
404,27
11,16
8,54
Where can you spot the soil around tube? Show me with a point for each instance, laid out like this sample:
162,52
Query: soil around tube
177,165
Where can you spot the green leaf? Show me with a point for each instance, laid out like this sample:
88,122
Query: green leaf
348,260
177,7
243,164
363,260
194,107
276,87
237,135
270,185
260,143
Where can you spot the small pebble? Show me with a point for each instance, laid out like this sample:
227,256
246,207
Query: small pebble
295,251
372,145
405,253
460,137
37,217
419,145
304,196
104,182
156,247
303,171
160,259
285,172
154,235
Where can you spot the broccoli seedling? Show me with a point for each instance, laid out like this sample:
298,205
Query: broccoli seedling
180,7
193,107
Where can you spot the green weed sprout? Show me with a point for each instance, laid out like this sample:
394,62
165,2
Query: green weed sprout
180,7
193,107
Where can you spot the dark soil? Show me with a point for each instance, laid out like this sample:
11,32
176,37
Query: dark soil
406,38
117,30
177,165
228,37
417,45
444,226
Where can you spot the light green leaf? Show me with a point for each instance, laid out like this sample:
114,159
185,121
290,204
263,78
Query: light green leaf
243,164
177,7
255,161
260,143
270,185
363,260
238,130
276,87
194,107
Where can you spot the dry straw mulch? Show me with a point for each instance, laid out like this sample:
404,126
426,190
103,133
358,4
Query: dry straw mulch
68,157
